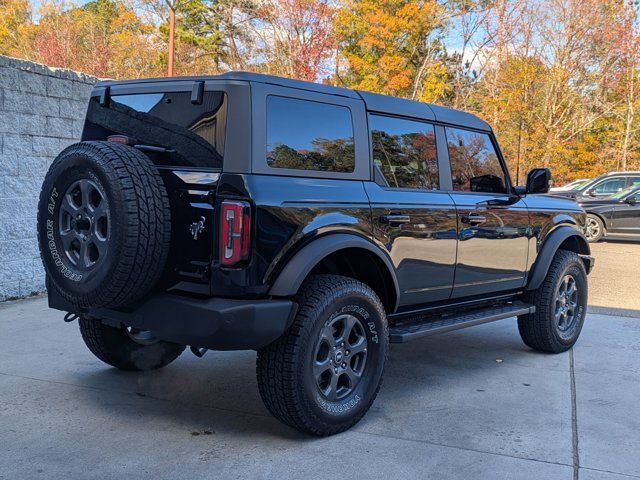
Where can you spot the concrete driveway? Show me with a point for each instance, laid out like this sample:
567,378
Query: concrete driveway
470,404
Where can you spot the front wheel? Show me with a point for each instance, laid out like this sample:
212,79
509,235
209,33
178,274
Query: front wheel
561,306
324,373
594,228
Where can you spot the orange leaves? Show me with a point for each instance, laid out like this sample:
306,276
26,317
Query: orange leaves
384,42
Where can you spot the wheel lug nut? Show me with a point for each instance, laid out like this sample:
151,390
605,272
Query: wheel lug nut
347,352
344,365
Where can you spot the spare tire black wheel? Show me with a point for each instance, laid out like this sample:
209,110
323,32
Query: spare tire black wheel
104,224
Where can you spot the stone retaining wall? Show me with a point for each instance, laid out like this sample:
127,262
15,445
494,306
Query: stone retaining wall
41,112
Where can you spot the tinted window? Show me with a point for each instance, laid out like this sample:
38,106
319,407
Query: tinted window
610,186
306,135
475,165
192,134
405,152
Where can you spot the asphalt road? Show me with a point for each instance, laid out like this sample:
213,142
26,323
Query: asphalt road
470,404
616,277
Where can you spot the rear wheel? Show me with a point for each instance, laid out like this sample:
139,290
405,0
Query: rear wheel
324,373
127,348
595,228
561,305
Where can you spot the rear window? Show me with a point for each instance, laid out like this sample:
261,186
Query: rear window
192,135
307,135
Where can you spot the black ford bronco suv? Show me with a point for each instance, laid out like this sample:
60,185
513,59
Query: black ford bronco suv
311,223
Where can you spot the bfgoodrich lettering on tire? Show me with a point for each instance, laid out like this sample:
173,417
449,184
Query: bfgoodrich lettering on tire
103,224
324,373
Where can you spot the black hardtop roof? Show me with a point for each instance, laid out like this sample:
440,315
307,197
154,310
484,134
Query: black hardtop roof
375,102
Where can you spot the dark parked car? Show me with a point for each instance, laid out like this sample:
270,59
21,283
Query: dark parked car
571,185
614,216
311,223
602,186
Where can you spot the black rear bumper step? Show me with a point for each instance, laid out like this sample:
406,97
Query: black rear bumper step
425,326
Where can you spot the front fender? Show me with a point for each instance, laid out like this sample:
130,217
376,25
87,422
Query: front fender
549,248
298,268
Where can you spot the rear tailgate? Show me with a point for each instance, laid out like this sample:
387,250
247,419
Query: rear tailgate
181,127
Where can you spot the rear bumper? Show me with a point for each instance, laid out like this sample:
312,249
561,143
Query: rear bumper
213,323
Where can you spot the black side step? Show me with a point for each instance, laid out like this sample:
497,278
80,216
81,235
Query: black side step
421,327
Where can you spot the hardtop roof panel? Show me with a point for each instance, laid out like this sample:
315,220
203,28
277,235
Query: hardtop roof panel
374,102
396,106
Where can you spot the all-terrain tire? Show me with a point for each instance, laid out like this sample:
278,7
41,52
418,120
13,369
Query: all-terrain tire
542,330
287,380
126,247
115,347
595,228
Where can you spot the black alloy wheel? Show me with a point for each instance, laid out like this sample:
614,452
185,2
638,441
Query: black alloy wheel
84,224
566,304
341,357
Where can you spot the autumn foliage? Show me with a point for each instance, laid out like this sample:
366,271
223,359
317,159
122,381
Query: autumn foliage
557,79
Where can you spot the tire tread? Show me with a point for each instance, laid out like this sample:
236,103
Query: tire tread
276,364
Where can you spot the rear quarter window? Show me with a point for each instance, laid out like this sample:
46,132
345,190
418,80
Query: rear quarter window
309,135
192,135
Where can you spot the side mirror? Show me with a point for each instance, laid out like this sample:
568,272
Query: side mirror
538,180
632,200
591,192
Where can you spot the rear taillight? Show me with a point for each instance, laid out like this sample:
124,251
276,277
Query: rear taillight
235,232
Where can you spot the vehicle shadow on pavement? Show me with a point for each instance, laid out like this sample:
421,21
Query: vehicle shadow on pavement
219,393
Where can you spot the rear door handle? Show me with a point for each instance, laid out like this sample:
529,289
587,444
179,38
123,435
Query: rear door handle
473,219
395,219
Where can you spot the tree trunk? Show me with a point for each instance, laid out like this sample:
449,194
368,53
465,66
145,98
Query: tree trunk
630,117
172,33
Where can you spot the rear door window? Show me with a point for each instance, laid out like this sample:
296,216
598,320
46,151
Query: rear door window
634,181
309,135
189,134
405,152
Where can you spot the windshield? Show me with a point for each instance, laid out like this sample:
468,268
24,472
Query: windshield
625,192
576,184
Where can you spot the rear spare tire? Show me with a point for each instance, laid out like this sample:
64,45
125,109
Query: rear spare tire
103,224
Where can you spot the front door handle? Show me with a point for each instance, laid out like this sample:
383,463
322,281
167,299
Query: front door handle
473,219
395,219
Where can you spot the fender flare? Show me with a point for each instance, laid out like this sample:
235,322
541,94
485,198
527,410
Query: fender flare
302,263
548,251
